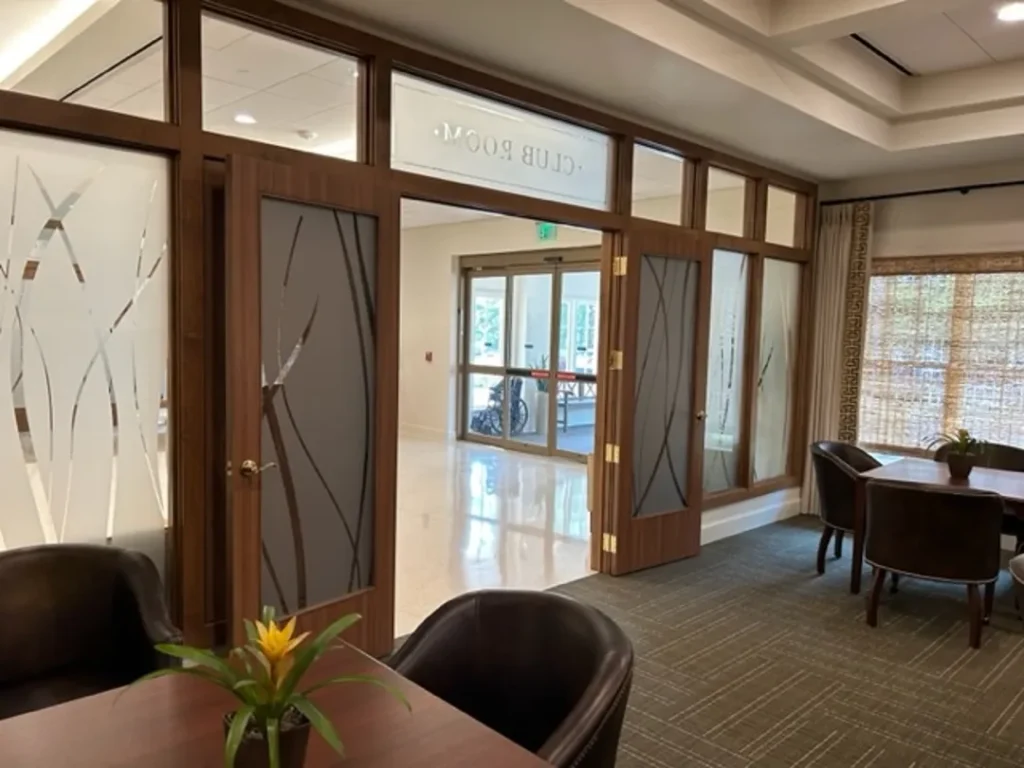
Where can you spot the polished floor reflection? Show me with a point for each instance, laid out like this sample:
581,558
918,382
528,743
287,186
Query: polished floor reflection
474,517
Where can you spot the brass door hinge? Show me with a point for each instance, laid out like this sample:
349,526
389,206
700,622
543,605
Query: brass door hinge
611,453
609,543
615,360
619,266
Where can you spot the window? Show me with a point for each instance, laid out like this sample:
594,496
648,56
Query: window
262,87
450,134
726,352
776,376
780,227
943,351
577,336
99,54
657,184
727,203
85,339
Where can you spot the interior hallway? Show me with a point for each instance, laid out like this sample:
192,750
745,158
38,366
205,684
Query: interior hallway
472,517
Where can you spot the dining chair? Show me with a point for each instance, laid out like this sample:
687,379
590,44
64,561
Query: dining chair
545,671
1010,459
1016,568
939,534
77,619
836,468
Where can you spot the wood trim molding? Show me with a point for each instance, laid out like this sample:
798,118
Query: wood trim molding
967,263
74,121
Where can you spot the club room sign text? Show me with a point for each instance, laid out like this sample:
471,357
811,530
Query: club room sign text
445,133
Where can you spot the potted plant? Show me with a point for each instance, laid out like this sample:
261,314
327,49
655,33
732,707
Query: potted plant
964,451
270,728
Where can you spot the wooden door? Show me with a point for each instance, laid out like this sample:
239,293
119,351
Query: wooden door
312,327
654,456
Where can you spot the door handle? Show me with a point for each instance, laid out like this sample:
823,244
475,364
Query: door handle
701,415
250,468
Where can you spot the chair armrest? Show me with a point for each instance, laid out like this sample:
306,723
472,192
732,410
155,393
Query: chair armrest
144,582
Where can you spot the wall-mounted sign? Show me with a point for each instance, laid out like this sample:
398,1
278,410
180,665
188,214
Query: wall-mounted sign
443,132
546,231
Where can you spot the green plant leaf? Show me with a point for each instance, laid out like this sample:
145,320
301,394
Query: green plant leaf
206,659
397,694
319,721
250,631
312,651
267,615
235,733
274,741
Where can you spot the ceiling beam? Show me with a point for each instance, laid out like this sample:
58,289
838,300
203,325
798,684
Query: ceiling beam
800,22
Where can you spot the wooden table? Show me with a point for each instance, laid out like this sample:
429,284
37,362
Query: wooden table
1009,485
175,722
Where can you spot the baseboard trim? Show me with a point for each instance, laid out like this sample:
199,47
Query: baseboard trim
417,430
748,515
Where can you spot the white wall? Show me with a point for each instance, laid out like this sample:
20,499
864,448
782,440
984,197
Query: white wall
983,221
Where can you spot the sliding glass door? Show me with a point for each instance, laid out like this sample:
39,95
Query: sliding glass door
529,370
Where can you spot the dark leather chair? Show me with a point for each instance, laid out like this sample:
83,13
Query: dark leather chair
1011,459
941,534
836,468
77,620
547,672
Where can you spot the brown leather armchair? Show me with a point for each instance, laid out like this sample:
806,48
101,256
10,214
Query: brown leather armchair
77,619
942,534
836,467
547,672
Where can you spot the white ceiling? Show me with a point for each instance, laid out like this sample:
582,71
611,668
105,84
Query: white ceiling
971,36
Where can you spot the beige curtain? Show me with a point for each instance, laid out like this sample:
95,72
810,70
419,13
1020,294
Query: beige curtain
841,271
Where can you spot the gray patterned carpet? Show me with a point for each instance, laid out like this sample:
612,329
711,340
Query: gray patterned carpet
746,657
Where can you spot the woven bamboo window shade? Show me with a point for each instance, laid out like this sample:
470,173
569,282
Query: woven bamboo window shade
944,349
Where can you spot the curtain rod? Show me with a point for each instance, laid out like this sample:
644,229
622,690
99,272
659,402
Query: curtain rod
962,189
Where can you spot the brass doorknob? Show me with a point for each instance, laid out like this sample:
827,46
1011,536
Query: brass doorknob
250,468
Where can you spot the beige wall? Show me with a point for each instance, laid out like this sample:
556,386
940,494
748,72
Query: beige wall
983,221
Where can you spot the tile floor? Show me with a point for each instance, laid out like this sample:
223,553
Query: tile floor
472,517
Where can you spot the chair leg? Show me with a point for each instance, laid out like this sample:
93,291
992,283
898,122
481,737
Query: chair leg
826,535
839,543
876,593
894,585
990,594
974,610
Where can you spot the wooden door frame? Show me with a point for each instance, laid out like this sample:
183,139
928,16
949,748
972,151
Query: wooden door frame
641,542
249,180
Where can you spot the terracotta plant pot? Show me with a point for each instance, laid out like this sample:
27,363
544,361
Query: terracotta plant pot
252,752
960,465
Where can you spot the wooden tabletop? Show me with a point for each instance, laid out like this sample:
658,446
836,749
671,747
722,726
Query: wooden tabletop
175,722
1009,485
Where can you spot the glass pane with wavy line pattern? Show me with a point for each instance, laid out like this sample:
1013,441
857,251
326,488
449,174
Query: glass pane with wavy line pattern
780,316
663,392
318,269
726,346
83,345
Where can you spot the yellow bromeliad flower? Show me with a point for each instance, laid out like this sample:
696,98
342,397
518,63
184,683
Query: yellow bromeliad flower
277,642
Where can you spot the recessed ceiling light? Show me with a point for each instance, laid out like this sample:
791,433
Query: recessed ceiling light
1011,12
244,118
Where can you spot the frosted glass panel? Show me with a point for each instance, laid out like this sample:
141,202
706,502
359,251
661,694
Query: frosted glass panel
83,345
724,404
780,309
318,285
664,384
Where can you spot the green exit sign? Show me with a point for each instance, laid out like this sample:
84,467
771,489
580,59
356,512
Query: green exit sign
547,231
